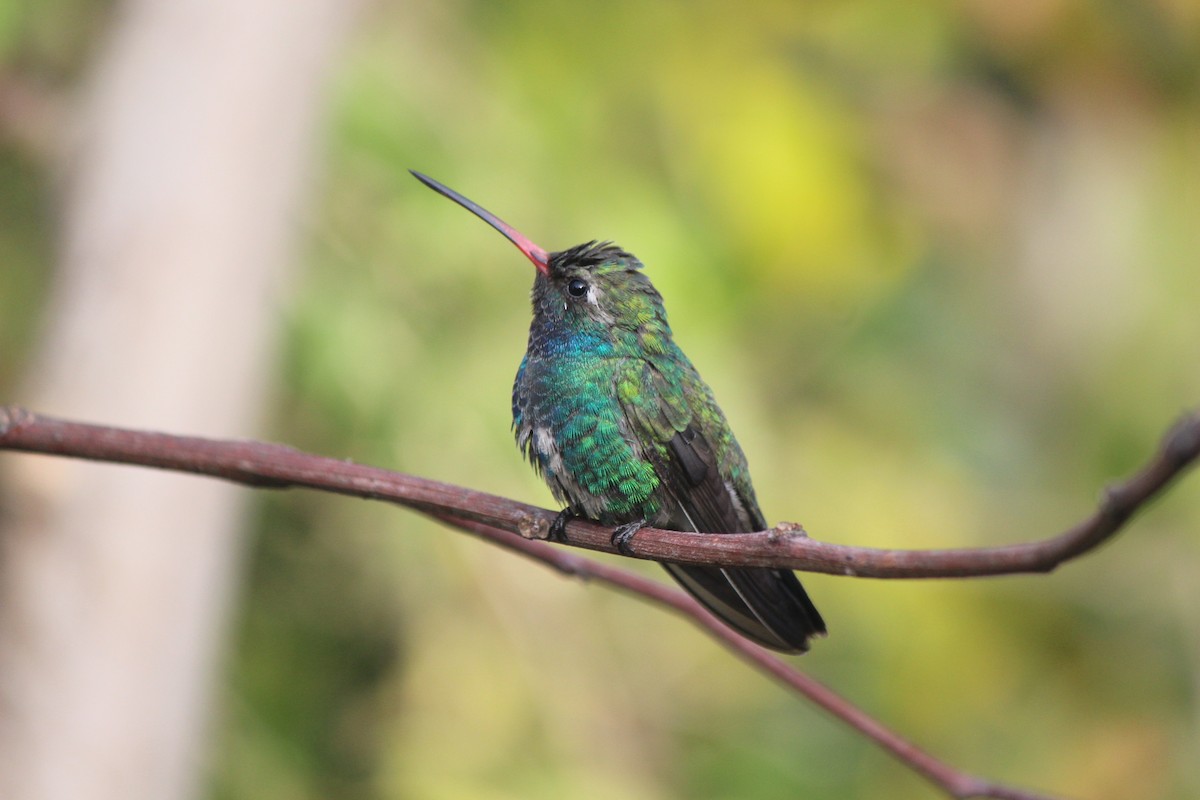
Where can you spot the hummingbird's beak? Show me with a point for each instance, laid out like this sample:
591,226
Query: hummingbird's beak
539,257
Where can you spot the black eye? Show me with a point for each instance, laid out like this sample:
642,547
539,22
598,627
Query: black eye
577,287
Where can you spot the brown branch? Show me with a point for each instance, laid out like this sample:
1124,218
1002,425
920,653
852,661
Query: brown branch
514,526
953,782
275,466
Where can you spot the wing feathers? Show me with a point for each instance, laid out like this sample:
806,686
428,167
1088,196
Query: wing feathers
766,605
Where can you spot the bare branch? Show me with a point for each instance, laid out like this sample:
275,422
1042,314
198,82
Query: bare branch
516,526
953,782
788,546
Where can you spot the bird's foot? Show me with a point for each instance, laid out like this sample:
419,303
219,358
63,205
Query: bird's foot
621,536
558,528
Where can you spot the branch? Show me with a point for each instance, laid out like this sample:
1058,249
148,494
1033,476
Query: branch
514,526
786,546
953,782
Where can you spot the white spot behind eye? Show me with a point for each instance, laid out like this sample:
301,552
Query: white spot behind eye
593,297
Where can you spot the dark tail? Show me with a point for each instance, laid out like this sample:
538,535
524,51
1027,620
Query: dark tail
767,606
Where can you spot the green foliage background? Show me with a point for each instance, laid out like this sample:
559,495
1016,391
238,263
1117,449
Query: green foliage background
939,263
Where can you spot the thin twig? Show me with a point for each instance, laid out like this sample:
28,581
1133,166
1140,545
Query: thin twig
953,782
516,526
275,466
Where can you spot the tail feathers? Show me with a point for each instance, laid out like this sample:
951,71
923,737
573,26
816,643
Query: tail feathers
776,597
767,606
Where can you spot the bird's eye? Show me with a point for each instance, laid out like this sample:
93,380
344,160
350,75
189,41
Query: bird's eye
577,288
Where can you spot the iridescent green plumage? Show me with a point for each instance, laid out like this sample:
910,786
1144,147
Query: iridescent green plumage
623,429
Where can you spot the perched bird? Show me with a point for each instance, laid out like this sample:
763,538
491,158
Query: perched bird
615,418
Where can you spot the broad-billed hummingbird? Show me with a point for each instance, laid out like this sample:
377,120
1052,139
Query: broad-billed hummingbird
615,418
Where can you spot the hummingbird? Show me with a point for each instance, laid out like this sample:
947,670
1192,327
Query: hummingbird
614,417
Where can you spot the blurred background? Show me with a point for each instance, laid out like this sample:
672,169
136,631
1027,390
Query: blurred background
938,261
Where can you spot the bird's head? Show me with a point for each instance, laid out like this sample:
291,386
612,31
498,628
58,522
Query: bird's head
594,286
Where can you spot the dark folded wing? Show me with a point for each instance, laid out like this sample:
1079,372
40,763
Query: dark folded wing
768,606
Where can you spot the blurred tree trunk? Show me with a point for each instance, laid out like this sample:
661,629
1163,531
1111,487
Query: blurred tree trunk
181,199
